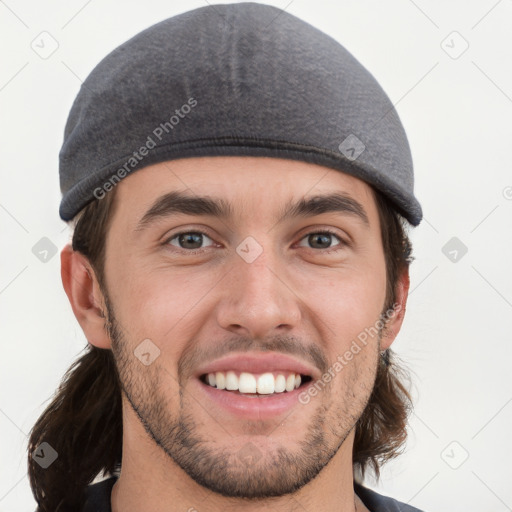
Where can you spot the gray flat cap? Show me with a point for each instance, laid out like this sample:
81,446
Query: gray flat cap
234,79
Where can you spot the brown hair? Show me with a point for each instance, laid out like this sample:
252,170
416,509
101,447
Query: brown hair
83,423
381,430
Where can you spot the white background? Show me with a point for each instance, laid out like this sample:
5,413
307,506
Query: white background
456,111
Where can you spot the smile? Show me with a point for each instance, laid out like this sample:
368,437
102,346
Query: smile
246,383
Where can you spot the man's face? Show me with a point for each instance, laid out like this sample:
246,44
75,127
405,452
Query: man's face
253,285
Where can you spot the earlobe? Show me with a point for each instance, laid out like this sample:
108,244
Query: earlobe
394,323
84,294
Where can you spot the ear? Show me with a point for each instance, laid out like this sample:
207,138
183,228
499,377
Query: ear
396,317
85,297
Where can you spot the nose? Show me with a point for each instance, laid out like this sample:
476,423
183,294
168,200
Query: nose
258,298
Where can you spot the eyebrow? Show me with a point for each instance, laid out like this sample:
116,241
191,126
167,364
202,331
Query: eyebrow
181,203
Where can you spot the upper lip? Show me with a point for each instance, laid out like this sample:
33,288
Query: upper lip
258,363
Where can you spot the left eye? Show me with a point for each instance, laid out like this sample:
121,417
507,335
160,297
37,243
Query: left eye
189,238
193,239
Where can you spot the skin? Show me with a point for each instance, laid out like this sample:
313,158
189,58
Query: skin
180,452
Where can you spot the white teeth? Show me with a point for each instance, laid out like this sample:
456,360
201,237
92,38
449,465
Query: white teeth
220,380
247,383
280,384
290,382
264,384
231,381
211,379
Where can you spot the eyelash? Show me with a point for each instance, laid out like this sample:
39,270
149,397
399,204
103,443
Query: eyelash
326,231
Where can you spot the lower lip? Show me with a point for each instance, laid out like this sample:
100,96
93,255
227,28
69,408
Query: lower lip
253,407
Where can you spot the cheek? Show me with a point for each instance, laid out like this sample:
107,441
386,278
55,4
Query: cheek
161,305
347,302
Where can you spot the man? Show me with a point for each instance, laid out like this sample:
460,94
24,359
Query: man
239,186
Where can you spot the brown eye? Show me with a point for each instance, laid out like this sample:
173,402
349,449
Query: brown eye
191,240
323,240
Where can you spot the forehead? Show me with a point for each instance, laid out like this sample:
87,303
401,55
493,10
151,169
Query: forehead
246,183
